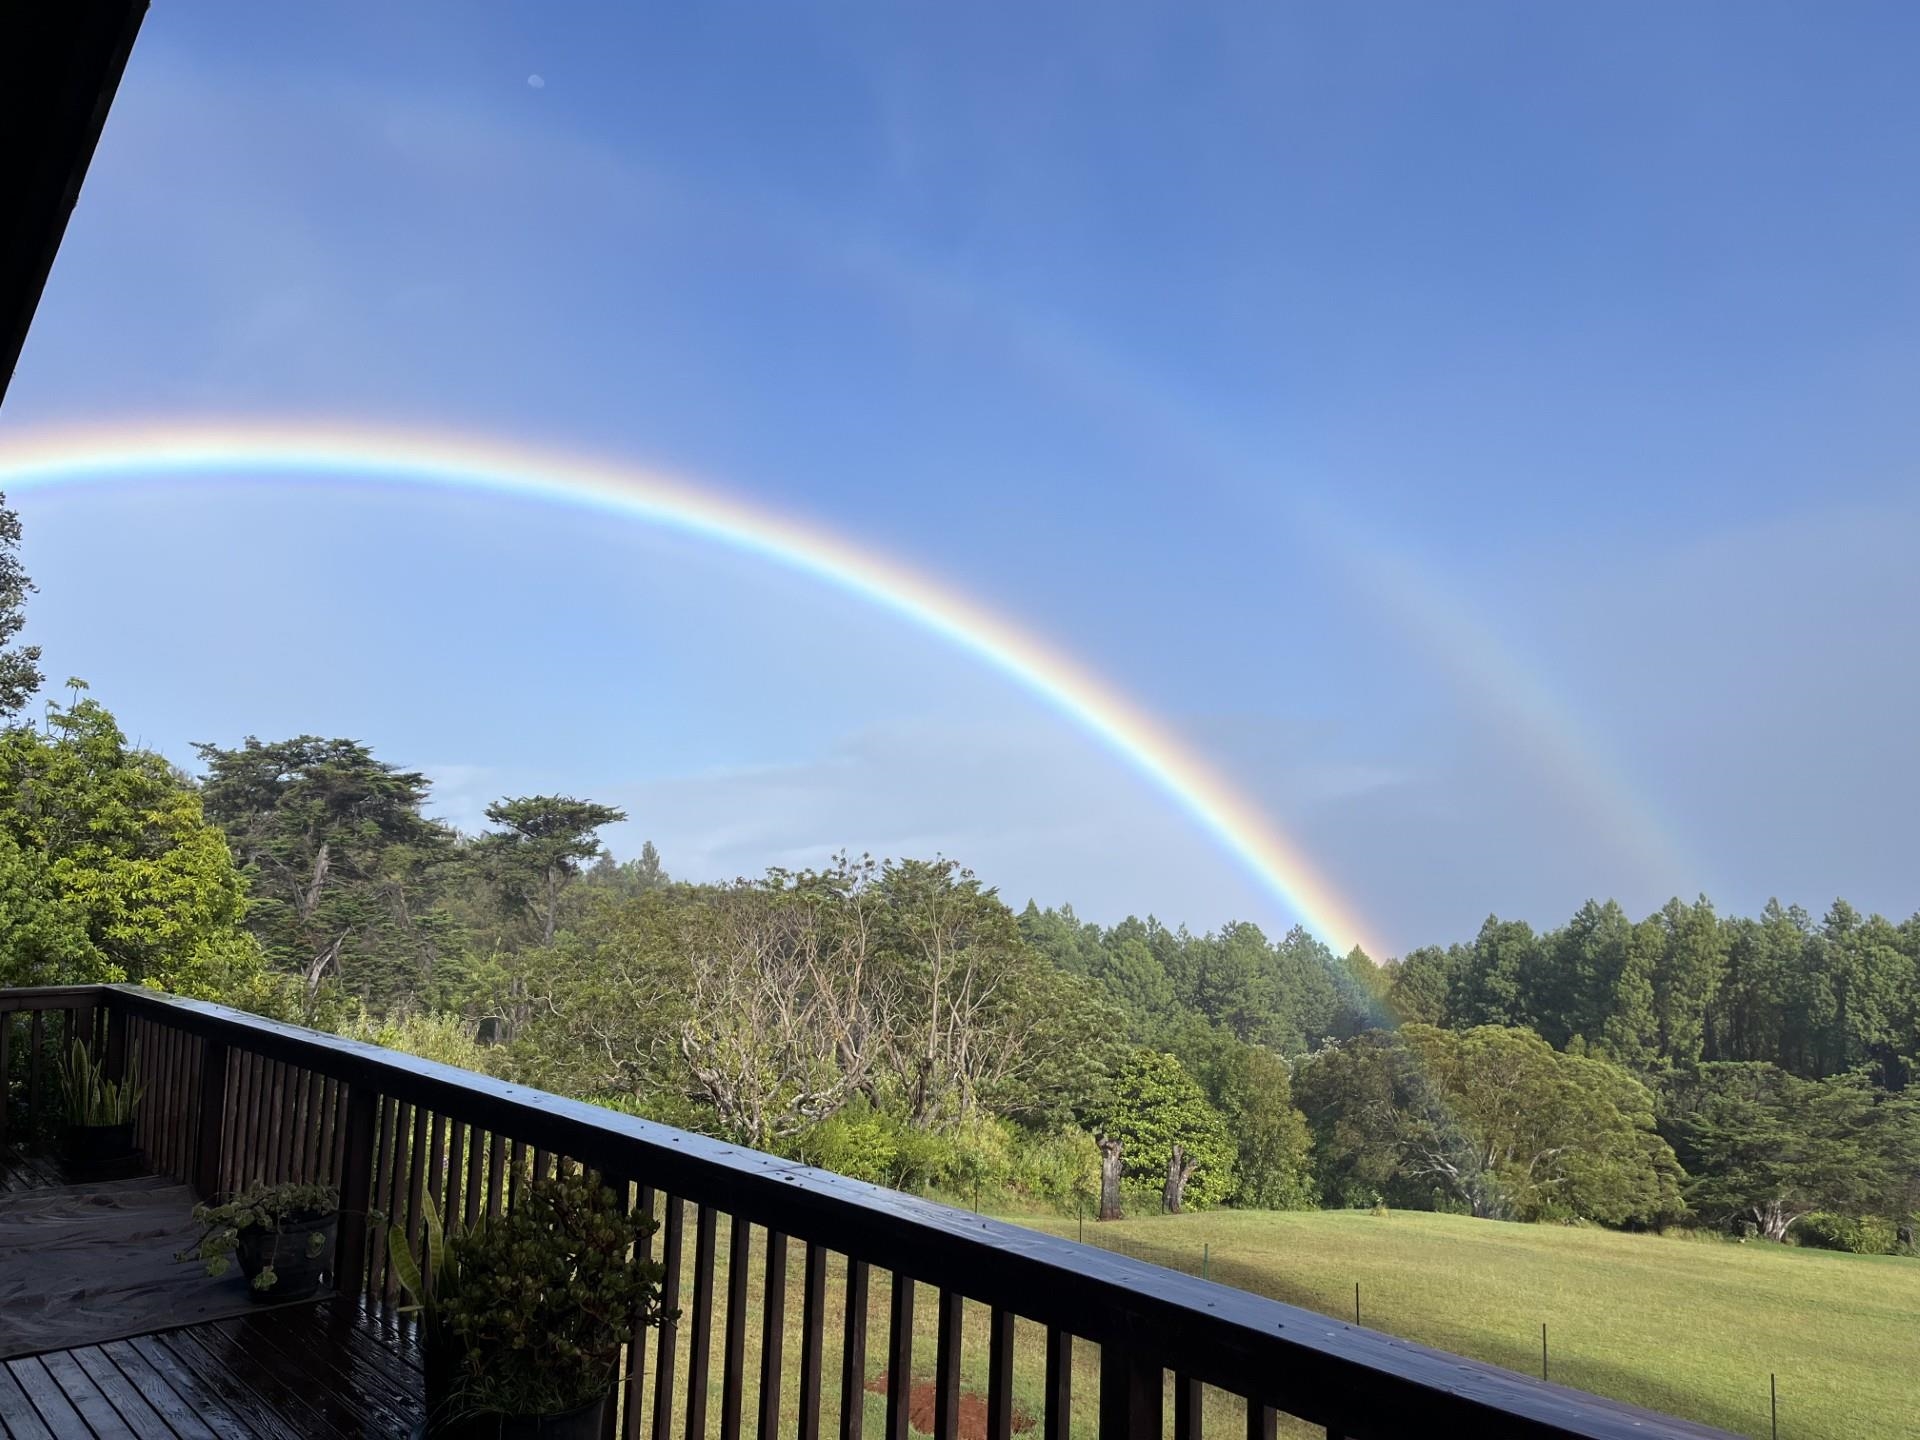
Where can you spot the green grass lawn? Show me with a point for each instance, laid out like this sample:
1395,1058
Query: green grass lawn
1692,1327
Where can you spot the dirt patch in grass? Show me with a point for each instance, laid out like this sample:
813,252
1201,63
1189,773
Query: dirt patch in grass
973,1409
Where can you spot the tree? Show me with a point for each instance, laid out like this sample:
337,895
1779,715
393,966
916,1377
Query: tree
1769,1148
19,664
1353,1094
607,1003
1574,992
1686,977
1550,1134
1419,984
1274,1147
969,1016
1362,987
1113,1160
1158,1117
779,1029
110,872
539,849
1631,1033
342,861
528,865
1132,976
1870,981
1493,993
1490,1120
1753,1009
630,877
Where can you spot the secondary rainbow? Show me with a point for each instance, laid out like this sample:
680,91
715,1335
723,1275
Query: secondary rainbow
255,451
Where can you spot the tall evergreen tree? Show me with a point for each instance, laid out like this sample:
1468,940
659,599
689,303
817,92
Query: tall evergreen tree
341,858
1686,977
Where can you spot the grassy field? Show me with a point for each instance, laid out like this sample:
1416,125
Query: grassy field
1692,1327
1686,1326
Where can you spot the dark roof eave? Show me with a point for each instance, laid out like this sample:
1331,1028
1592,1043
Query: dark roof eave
60,64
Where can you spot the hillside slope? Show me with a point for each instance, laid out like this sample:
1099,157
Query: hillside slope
1687,1326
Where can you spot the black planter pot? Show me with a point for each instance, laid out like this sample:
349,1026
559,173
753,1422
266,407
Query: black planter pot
101,1152
585,1422
297,1273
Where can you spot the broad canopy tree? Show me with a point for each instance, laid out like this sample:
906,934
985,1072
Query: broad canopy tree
1770,1149
109,870
968,1018
1492,1121
778,1030
1156,1121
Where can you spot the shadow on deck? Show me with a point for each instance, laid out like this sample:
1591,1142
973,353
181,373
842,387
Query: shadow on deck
109,1337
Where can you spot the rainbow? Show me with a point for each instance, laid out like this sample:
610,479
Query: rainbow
255,450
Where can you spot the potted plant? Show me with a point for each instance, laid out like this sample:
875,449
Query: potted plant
283,1235
98,1141
526,1313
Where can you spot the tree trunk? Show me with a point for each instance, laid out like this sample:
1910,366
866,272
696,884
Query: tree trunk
1179,1171
1775,1220
1109,1178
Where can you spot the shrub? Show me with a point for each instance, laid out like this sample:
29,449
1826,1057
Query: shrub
1058,1169
448,1038
857,1143
920,1157
537,1301
1871,1236
263,1207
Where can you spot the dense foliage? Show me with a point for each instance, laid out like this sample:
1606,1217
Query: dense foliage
109,870
897,1021
19,664
546,1294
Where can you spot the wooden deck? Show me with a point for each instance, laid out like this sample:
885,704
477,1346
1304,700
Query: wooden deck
338,1368
332,1370
20,1172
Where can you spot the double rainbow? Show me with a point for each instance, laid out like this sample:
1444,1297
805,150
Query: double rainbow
259,451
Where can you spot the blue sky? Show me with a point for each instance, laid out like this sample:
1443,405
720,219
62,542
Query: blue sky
1486,431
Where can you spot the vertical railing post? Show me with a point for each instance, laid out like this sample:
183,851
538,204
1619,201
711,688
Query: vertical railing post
116,1042
212,1127
83,1024
356,1186
6,1072
36,1043
1130,1396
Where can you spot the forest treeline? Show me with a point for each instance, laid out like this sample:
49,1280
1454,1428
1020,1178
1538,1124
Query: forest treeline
897,1021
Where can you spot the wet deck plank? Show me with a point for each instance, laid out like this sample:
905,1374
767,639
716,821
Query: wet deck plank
334,1369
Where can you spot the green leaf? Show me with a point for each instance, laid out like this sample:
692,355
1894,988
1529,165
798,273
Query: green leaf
405,1270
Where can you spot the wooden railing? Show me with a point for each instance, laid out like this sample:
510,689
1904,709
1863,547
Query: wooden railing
232,1097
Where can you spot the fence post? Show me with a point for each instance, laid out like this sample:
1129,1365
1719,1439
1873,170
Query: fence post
356,1185
213,1118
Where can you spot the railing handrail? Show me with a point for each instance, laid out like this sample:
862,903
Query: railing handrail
1357,1381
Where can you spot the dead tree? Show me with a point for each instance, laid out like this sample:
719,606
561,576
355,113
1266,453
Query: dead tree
1180,1169
1110,1161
